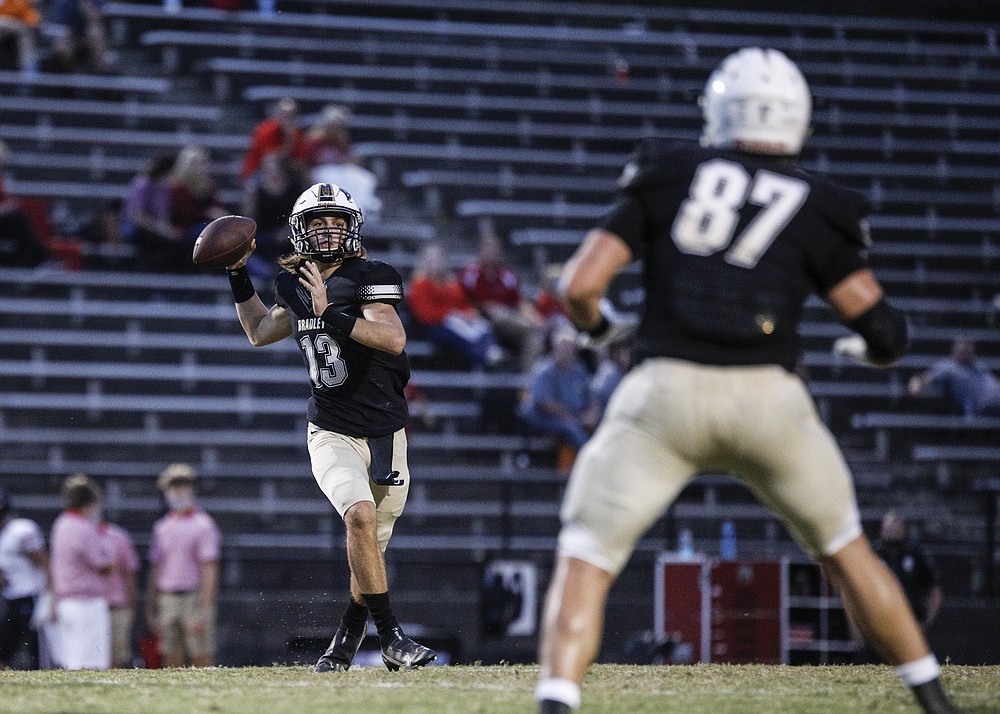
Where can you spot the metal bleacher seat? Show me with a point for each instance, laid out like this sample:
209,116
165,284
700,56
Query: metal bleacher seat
119,87
105,111
918,427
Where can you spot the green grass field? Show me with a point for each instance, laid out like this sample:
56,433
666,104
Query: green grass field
610,689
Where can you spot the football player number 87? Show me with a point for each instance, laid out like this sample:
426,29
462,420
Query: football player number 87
326,368
707,219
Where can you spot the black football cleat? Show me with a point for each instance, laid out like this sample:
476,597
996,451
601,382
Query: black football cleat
933,700
340,653
399,651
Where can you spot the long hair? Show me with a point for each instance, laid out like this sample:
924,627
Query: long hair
292,262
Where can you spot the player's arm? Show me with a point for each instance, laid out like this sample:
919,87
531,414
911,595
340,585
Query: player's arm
586,278
379,326
883,335
262,326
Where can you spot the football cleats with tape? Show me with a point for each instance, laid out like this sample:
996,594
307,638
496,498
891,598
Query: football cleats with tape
326,244
757,98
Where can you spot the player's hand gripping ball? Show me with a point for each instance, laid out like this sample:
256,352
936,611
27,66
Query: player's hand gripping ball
224,241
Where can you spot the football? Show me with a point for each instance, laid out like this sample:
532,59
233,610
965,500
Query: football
223,241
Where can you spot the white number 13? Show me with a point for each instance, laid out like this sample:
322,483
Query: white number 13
707,219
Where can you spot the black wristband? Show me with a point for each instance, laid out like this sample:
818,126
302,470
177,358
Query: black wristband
340,321
242,286
598,330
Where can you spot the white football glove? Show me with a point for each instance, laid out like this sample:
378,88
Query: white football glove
854,348
618,327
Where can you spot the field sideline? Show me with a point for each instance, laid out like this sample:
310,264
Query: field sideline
609,689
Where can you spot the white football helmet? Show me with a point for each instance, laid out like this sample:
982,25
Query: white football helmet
757,95
326,245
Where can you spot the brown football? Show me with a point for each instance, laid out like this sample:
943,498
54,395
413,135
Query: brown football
223,241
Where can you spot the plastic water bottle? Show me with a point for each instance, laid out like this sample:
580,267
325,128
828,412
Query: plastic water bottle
172,6
268,8
685,544
727,541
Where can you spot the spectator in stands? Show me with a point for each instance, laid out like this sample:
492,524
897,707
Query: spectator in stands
615,362
19,23
719,341
194,200
184,573
913,565
328,141
20,245
279,133
968,383
121,591
547,305
80,37
81,561
24,566
558,398
438,305
146,219
102,231
330,160
494,288
266,198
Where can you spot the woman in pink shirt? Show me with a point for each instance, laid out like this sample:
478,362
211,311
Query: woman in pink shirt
120,583
80,560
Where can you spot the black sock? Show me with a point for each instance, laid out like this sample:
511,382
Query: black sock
381,611
932,698
355,617
551,706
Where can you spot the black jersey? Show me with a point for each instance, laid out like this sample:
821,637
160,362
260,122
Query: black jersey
732,245
356,390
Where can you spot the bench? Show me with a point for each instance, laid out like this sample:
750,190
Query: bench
515,208
46,136
974,454
617,13
626,37
209,441
130,111
499,81
119,86
489,55
243,405
133,340
884,422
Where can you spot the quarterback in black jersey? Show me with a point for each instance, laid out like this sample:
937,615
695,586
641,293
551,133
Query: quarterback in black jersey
733,238
340,307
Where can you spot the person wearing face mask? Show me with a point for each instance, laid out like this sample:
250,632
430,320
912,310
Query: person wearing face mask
184,574
79,562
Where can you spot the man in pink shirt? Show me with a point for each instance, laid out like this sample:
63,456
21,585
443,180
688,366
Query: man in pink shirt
184,574
80,560
120,584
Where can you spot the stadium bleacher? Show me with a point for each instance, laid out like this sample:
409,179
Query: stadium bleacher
517,113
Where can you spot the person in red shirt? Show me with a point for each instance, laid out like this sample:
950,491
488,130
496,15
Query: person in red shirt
547,305
494,289
280,133
438,304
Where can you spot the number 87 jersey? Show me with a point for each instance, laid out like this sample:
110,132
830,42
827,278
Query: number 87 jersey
356,390
732,244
